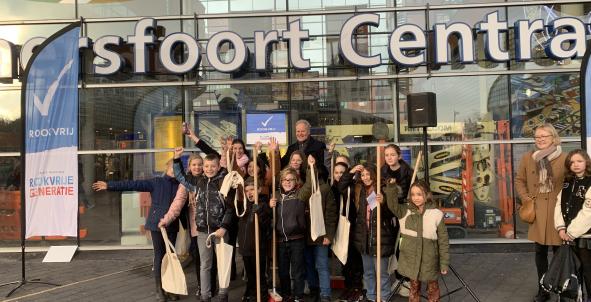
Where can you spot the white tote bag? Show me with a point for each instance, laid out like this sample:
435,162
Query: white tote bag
183,242
317,228
340,245
173,277
223,254
233,180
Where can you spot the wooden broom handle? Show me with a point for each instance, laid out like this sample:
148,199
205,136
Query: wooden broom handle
274,247
378,227
256,225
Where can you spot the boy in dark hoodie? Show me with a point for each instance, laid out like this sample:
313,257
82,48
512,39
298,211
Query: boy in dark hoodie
246,241
213,214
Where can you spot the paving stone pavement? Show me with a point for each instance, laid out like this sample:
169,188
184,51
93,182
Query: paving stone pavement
125,275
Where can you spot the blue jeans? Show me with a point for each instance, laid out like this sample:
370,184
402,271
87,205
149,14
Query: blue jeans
321,257
369,276
310,259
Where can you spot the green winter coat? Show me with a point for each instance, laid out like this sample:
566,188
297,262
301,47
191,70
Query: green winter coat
424,244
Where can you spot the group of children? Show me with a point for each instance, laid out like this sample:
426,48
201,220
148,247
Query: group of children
423,245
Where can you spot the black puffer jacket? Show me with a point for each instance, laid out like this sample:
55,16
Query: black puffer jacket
364,238
403,176
213,211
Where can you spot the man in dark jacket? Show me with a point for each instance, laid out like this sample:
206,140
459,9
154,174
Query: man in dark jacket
305,143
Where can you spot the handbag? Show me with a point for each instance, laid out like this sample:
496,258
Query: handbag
317,228
527,211
172,275
340,245
563,275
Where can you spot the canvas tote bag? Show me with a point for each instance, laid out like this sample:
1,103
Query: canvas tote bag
340,246
183,242
233,180
173,277
316,217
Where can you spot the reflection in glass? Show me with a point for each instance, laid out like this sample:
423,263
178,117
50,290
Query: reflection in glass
36,9
546,98
474,188
128,8
155,69
128,118
10,121
468,108
438,2
540,40
470,17
116,217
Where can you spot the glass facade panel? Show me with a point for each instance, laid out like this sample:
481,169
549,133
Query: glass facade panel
154,67
10,121
485,121
130,118
473,185
539,41
438,2
468,108
19,35
117,218
546,98
470,17
35,9
128,8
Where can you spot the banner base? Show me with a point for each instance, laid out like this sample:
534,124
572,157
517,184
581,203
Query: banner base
62,253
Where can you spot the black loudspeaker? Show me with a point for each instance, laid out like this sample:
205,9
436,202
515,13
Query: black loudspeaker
422,110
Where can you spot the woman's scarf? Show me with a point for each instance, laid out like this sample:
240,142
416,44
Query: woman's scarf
544,168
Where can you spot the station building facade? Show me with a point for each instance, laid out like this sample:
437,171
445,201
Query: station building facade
128,120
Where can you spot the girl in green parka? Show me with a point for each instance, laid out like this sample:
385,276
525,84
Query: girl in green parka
424,244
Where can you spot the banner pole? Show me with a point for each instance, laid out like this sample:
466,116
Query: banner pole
23,157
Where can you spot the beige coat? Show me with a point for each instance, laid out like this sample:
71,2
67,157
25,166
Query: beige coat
542,229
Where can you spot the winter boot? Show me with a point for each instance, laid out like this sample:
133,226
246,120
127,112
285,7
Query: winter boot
223,297
172,297
433,291
414,294
160,297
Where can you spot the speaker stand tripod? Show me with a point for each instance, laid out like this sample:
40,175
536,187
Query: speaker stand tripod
426,155
464,286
